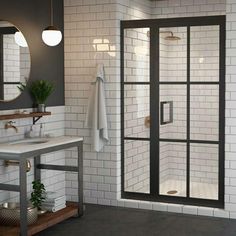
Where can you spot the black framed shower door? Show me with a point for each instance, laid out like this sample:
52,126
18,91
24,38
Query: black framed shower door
173,110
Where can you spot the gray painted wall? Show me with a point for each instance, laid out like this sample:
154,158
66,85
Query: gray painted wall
31,17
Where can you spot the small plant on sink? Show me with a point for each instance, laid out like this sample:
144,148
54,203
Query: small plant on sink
38,194
40,91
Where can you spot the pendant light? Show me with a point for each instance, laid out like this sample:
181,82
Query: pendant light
51,35
20,39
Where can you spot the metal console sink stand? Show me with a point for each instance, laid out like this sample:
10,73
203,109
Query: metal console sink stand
21,153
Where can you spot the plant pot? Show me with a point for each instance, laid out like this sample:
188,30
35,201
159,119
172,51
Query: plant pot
41,108
10,214
41,211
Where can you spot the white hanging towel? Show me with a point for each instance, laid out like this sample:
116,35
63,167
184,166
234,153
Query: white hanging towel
96,117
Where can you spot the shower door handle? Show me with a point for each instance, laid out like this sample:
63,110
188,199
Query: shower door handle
166,112
147,122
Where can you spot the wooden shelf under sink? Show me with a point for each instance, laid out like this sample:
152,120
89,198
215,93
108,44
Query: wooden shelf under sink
45,221
35,115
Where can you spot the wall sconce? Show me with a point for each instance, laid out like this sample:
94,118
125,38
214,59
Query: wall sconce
20,39
51,35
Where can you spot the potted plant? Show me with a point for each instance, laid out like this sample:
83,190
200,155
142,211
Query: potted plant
41,90
38,195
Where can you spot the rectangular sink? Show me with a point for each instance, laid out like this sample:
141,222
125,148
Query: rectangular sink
32,141
30,147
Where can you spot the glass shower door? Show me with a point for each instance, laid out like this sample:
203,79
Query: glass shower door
204,112
136,130
172,116
189,87
173,111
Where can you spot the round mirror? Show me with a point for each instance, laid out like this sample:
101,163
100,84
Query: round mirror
15,62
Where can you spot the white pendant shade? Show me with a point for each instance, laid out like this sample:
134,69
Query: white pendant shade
51,36
20,40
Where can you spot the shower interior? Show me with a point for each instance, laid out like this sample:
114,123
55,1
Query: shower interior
189,131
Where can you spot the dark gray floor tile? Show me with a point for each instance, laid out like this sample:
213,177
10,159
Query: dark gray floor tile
116,221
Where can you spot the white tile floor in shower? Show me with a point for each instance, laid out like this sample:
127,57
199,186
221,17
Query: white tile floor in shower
197,190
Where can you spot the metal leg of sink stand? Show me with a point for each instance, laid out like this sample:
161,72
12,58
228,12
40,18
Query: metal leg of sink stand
80,179
23,198
37,172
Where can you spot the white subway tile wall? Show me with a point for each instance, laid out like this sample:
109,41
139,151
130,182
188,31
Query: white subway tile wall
188,8
92,35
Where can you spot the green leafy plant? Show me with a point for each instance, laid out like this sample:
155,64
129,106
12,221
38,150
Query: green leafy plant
41,90
38,194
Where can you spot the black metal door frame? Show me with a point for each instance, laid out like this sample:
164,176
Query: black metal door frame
154,83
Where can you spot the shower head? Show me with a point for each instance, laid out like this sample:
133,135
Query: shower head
172,37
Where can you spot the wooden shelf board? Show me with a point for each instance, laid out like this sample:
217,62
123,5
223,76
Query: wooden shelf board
22,115
45,221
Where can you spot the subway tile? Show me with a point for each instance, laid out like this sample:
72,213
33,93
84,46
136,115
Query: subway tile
205,211
221,213
175,208
145,205
190,210
159,206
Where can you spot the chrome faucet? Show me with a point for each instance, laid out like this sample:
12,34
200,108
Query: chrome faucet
9,125
41,134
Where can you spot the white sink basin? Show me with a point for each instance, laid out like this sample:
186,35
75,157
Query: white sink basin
32,141
28,147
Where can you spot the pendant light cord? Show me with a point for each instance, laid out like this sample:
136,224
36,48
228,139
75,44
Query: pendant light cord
51,13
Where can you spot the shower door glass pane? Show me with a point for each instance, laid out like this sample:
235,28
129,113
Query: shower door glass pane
172,174
137,55
204,112
204,165
173,54
173,111
136,111
137,166
205,51
173,105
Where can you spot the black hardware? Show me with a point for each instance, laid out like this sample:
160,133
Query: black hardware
35,119
166,105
